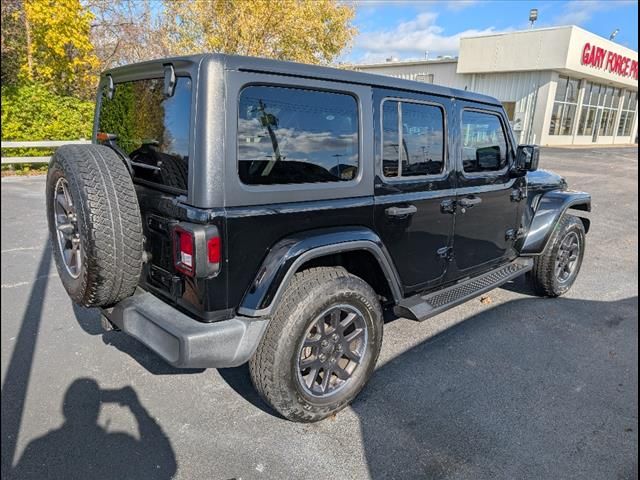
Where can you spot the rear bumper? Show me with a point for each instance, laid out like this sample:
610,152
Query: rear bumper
182,341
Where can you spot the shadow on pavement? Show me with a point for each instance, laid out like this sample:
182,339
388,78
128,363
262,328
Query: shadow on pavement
81,448
533,388
89,321
16,380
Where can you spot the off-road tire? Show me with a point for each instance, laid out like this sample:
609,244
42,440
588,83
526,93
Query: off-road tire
543,276
273,367
108,220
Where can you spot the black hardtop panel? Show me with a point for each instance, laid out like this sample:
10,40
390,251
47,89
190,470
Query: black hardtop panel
264,65
278,67
155,68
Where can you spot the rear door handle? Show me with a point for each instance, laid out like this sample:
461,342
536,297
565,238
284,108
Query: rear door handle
401,211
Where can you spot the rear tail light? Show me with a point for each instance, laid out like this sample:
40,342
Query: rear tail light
184,250
213,250
197,250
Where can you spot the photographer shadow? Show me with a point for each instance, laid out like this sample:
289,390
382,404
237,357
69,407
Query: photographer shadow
81,448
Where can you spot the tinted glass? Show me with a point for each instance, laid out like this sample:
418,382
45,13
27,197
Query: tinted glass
622,124
422,140
616,97
630,100
556,113
567,119
291,135
390,150
586,121
561,89
151,128
484,147
572,90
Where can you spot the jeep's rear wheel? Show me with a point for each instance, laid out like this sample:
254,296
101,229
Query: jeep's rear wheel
94,224
321,345
556,269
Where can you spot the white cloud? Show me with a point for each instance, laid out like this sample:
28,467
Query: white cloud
577,12
413,39
457,5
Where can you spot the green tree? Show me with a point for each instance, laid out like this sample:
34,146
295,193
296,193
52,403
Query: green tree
32,112
308,31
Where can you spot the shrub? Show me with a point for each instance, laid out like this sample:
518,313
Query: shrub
31,112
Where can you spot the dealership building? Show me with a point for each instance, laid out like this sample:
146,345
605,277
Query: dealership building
559,86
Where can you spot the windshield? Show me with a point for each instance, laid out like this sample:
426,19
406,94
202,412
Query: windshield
151,128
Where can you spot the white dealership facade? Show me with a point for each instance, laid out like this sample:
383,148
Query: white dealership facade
559,86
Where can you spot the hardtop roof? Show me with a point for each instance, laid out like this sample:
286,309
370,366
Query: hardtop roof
265,65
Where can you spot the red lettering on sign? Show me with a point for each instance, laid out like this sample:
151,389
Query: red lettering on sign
586,54
598,57
633,70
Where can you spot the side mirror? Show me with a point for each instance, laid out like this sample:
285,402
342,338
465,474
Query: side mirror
169,80
527,158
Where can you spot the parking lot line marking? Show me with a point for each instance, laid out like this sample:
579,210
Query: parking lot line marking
19,249
21,284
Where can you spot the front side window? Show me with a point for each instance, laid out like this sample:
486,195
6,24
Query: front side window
294,135
151,128
412,139
484,145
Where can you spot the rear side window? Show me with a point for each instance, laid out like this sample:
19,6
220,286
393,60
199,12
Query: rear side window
412,139
293,135
151,128
484,146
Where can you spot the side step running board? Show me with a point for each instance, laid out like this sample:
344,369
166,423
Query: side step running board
421,307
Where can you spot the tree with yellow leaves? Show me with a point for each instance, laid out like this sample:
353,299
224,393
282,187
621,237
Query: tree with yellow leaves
307,31
58,52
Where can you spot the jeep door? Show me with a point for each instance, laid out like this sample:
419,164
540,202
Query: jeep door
488,199
414,185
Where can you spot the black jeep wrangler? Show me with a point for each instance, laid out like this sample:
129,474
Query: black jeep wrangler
236,209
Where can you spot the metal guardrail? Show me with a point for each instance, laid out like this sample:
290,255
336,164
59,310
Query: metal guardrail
36,144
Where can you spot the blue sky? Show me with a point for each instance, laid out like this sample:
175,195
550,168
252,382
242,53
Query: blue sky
406,29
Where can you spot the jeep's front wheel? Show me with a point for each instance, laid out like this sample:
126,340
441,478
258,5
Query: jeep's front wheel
321,345
555,270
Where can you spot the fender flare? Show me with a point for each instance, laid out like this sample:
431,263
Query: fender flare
551,207
290,253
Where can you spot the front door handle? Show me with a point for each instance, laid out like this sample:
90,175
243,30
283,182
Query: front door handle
468,202
401,211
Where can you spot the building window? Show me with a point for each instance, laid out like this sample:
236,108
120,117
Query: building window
590,104
600,105
610,109
412,139
510,110
564,106
628,113
484,145
293,135
424,77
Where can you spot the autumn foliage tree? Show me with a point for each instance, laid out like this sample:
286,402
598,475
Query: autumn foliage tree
59,53
53,50
308,31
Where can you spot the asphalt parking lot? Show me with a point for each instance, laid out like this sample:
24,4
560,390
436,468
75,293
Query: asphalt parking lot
515,387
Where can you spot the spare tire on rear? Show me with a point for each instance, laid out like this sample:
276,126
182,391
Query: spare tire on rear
94,224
